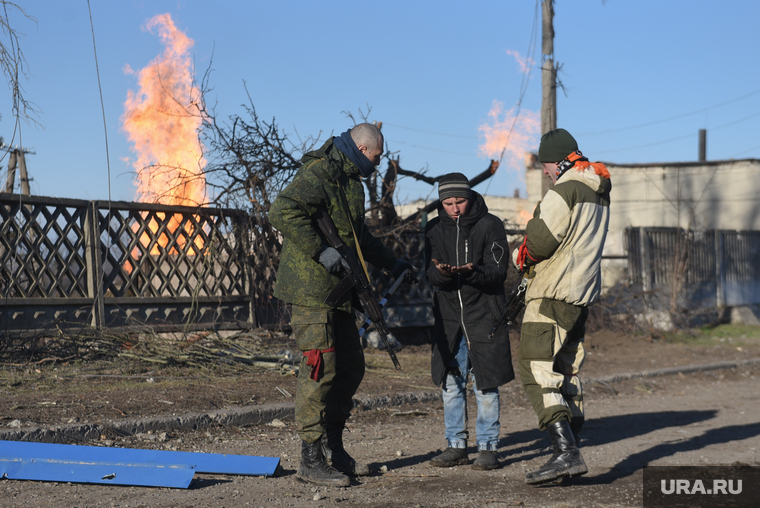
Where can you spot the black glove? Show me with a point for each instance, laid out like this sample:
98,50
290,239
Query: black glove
400,265
331,260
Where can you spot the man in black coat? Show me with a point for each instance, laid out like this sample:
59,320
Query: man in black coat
467,256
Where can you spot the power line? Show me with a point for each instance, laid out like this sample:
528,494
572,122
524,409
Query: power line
102,105
523,89
734,122
680,137
431,132
745,151
654,122
523,84
648,144
428,148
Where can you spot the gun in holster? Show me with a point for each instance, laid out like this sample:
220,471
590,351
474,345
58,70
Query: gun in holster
355,278
515,303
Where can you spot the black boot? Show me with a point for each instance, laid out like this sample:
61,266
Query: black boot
576,424
336,454
566,459
314,468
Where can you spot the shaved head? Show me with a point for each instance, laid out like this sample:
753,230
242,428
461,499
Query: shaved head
368,135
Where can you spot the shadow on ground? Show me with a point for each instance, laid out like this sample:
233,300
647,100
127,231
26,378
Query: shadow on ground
602,431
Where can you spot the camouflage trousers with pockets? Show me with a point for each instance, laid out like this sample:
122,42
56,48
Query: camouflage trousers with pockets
331,370
550,356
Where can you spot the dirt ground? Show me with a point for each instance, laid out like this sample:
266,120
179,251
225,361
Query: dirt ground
699,418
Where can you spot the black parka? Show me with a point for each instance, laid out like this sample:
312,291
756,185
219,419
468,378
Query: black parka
469,304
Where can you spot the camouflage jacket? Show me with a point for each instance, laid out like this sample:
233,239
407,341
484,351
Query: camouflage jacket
301,279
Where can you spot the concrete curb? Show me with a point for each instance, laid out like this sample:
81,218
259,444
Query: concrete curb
684,369
247,415
257,415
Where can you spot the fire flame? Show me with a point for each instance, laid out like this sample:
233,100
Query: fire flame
524,135
508,137
161,120
523,217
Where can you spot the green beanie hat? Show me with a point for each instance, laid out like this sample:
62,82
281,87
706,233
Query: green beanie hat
556,145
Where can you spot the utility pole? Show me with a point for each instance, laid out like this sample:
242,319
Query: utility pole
548,71
16,158
548,78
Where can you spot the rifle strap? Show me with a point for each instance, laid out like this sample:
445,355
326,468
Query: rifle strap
356,239
314,360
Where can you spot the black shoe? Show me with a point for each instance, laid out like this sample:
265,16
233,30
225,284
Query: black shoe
566,459
336,454
486,460
451,457
314,469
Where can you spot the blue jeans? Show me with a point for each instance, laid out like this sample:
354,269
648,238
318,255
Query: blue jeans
455,405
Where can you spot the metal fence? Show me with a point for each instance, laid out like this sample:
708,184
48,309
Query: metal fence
95,263
718,267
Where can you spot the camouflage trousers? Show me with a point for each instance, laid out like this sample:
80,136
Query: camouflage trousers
550,356
330,371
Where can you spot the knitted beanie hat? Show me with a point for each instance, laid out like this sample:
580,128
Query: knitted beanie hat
453,185
556,145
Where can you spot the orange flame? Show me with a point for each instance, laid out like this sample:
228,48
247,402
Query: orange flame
508,137
162,122
523,217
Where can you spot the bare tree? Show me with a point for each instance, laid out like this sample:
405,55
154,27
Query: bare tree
13,63
249,161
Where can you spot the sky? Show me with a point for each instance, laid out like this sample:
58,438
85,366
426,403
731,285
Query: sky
640,79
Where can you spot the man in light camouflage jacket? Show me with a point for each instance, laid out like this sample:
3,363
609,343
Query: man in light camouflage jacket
562,254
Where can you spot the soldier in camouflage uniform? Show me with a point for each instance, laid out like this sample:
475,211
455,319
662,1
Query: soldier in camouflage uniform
562,252
332,365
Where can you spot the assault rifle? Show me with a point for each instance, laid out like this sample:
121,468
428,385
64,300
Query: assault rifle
355,278
515,303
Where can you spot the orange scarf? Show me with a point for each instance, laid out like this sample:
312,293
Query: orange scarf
599,168
581,163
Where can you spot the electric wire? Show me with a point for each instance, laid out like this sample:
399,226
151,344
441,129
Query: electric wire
662,142
102,104
683,115
428,148
523,83
95,219
430,132
745,151
525,80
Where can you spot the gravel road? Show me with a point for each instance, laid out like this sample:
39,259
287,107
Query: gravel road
698,418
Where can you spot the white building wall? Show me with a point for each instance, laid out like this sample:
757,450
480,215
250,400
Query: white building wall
707,195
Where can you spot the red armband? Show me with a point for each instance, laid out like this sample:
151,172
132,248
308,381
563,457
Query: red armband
315,361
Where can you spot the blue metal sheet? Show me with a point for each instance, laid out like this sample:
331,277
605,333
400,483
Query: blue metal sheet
104,473
15,451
